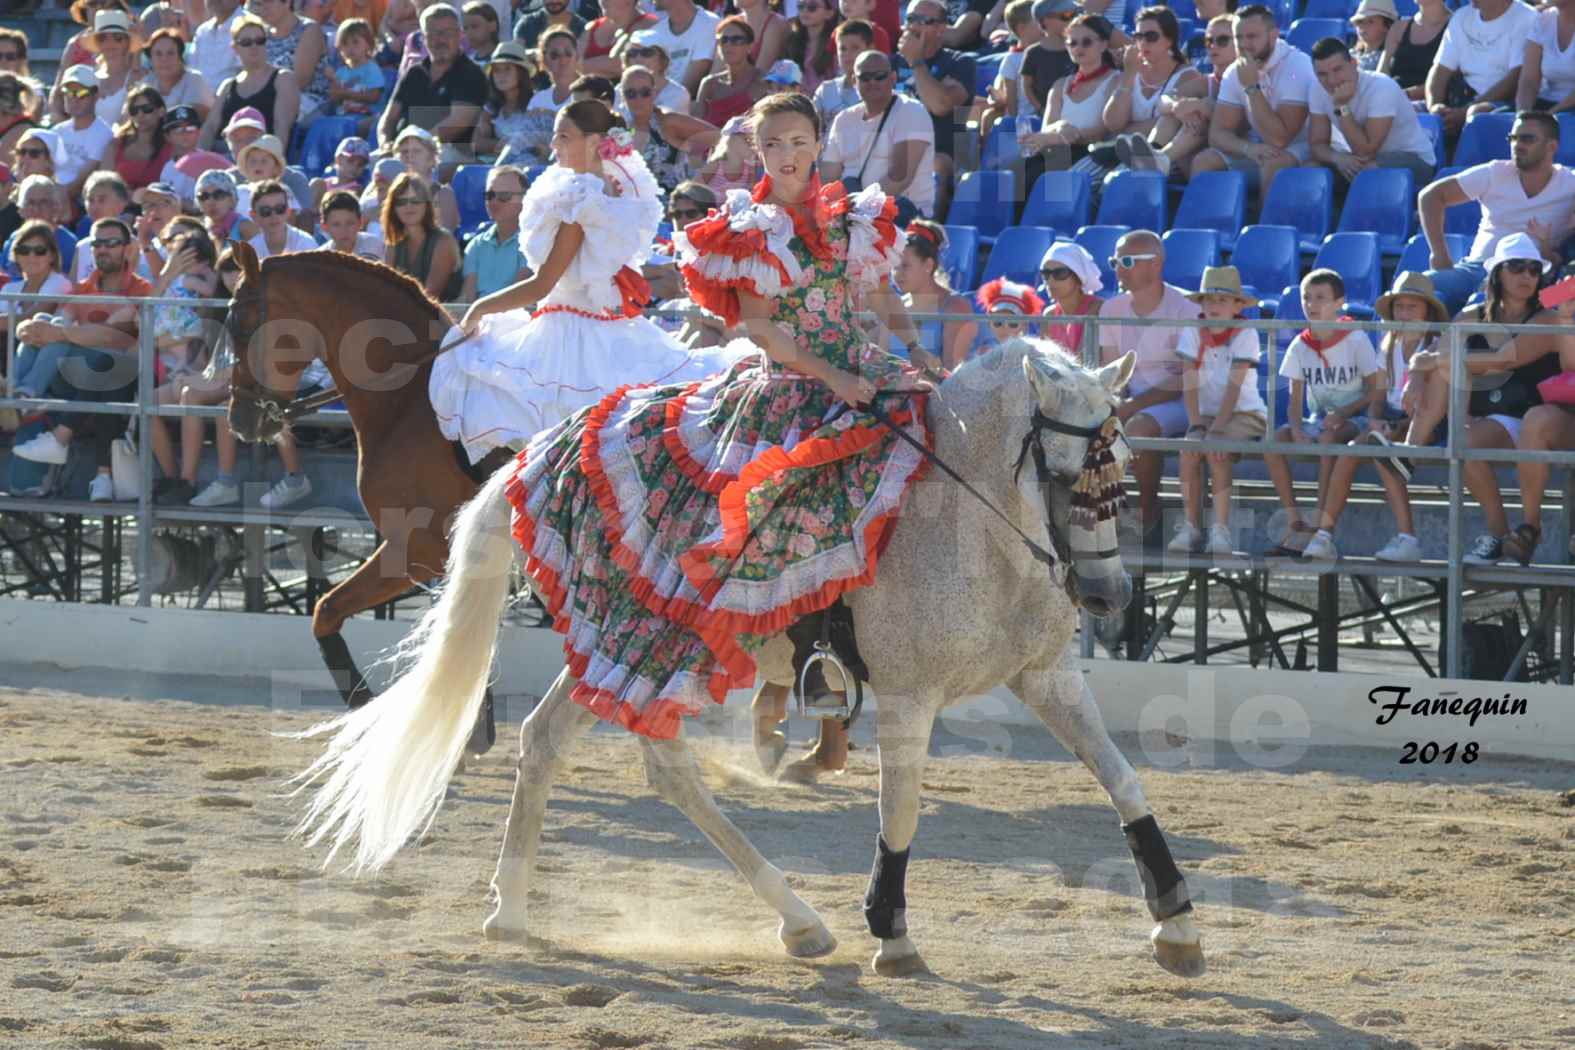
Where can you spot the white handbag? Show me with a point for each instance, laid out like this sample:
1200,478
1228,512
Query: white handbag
125,468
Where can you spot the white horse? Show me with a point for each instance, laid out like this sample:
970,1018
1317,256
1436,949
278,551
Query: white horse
946,618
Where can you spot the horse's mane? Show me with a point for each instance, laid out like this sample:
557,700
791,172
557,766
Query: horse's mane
341,262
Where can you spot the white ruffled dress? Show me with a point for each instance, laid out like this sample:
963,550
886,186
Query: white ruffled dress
527,370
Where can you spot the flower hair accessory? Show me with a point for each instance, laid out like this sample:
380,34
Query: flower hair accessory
618,142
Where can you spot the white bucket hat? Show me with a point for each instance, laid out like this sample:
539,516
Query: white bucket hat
1075,258
1516,246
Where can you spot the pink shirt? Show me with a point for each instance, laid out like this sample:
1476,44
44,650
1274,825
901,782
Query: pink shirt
1155,345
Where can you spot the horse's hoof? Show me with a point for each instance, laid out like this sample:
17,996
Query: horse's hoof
497,928
810,943
1180,953
1183,960
805,771
899,958
771,751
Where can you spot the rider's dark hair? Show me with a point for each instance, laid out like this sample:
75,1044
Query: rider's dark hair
592,117
785,102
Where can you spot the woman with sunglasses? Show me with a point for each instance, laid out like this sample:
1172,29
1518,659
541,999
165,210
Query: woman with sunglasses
1154,78
177,84
560,59
664,139
926,290
810,42
118,66
298,45
768,31
218,199
415,244
139,152
1074,111
36,254
648,50
13,59
1071,279
259,85
572,333
504,124
604,40
417,150
730,91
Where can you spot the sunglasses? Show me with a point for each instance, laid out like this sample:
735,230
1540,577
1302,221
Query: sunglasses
144,109
501,196
734,40
30,249
250,41
108,243
640,93
1126,262
876,77
923,20
32,151
407,202
1055,273
1149,36
560,53
79,90
1523,266
1221,40
268,211
689,214
637,51
212,195
10,56
1085,41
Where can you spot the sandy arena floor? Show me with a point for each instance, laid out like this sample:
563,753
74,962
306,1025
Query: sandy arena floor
149,900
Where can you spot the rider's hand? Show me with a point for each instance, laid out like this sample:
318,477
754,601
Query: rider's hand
855,390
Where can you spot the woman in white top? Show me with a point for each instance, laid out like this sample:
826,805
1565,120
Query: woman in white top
1154,78
116,68
561,60
1074,110
36,253
178,85
1547,75
571,334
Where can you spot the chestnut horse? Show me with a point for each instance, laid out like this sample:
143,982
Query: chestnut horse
377,331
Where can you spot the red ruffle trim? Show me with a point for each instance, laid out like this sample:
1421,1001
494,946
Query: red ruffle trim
713,236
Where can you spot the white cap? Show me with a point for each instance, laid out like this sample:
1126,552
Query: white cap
80,75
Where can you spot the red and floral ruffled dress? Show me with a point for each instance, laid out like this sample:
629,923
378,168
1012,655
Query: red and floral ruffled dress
672,530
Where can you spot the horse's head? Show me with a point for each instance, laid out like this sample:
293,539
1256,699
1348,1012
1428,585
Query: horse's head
1084,456
270,352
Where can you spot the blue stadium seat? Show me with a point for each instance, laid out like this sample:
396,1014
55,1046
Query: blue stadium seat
1133,198
1417,257
322,139
1059,200
1485,137
1338,10
469,183
960,257
1290,310
1355,257
985,201
1100,242
985,69
1566,153
1268,258
1381,201
1185,9
1305,32
1187,253
1214,200
1303,198
1462,218
1017,253
999,151
1405,8
1435,131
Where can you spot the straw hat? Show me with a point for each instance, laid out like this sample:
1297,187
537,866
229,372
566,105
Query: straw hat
112,20
79,11
269,144
1224,281
1417,286
1382,8
510,52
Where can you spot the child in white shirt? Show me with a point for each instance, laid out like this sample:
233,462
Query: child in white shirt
1338,373
1220,389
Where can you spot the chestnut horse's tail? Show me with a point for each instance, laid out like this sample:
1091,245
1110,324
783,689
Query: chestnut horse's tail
387,766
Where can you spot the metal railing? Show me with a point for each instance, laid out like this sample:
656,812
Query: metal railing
1454,453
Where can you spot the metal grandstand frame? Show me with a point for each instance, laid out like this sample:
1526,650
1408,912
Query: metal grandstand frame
57,556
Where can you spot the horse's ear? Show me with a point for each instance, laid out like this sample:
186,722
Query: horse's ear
1046,387
1116,374
246,257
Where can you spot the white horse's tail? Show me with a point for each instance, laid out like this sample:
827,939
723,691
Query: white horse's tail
386,769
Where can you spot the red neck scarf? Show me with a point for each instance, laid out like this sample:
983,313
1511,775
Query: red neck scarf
1320,343
1089,78
1212,339
811,215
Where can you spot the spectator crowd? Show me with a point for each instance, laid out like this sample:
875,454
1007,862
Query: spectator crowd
1052,136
